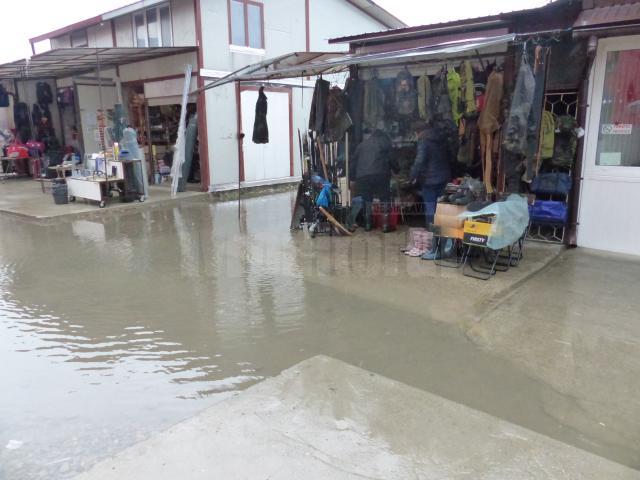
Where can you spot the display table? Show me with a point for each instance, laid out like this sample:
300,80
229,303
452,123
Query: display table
61,170
93,187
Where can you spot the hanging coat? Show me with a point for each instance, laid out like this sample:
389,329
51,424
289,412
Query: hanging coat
453,88
489,120
354,96
319,106
515,140
406,96
547,134
337,119
373,104
468,89
260,127
424,98
441,100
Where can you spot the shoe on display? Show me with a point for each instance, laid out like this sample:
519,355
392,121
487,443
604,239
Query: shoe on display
438,251
465,199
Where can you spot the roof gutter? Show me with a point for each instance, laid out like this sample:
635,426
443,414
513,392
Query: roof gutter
579,32
391,35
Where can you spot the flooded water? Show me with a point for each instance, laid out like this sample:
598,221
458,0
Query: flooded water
115,328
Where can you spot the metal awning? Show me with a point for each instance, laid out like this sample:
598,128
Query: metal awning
66,62
308,63
612,15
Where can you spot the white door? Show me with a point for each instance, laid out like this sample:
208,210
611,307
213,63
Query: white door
89,104
609,216
271,160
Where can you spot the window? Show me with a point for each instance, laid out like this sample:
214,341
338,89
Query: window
152,27
246,23
79,38
619,135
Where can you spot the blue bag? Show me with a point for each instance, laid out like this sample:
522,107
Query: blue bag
552,183
549,211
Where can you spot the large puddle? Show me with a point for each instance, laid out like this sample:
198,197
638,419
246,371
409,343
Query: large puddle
111,331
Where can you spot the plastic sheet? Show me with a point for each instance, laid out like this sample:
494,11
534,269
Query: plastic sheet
130,143
512,218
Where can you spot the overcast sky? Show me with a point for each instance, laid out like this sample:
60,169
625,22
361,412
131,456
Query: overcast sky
25,19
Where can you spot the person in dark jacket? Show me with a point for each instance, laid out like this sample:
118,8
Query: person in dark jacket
371,172
431,169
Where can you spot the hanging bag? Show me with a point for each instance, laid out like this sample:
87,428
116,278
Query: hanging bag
556,183
43,93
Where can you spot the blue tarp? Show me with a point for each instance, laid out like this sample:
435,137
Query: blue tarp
512,218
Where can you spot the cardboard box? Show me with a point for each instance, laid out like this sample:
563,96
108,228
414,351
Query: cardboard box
447,216
477,232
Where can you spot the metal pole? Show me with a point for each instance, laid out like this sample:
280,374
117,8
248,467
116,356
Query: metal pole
346,162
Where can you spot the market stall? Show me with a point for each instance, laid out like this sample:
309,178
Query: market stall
458,125
63,120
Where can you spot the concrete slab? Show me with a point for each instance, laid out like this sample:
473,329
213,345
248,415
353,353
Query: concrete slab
575,328
24,198
326,419
370,267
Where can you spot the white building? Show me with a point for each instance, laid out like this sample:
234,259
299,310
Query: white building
217,37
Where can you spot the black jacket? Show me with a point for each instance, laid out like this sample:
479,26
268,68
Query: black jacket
260,127
372,156
432,164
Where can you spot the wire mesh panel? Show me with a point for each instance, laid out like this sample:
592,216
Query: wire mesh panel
559,104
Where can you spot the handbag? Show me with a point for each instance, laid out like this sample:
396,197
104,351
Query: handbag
558,183
549,211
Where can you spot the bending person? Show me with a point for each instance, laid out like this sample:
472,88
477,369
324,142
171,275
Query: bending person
372,173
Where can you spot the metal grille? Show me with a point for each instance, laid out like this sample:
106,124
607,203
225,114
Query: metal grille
558,103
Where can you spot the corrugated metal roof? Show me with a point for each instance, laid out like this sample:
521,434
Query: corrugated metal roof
306,64
436,28
611,15
66,62
418,29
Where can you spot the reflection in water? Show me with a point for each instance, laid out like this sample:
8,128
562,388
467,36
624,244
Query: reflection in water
113,330
110,326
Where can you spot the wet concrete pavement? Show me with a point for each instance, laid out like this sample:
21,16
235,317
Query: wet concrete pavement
325,419
32,199
117,328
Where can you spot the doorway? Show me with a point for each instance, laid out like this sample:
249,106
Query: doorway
273,160
611,172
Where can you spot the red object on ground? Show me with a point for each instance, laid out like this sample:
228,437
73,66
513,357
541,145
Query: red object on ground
394,215
17,150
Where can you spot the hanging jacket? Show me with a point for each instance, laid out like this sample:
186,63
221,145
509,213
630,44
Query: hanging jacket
468,89
406,96
337,120
260,127
36,114
374,98
441,100
547,134
566,141
432,163
43,93
453,88
4,97
424,98
319,106
354,96
515,137
489,120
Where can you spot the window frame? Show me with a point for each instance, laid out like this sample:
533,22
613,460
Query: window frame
86,38
245,5
143,12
